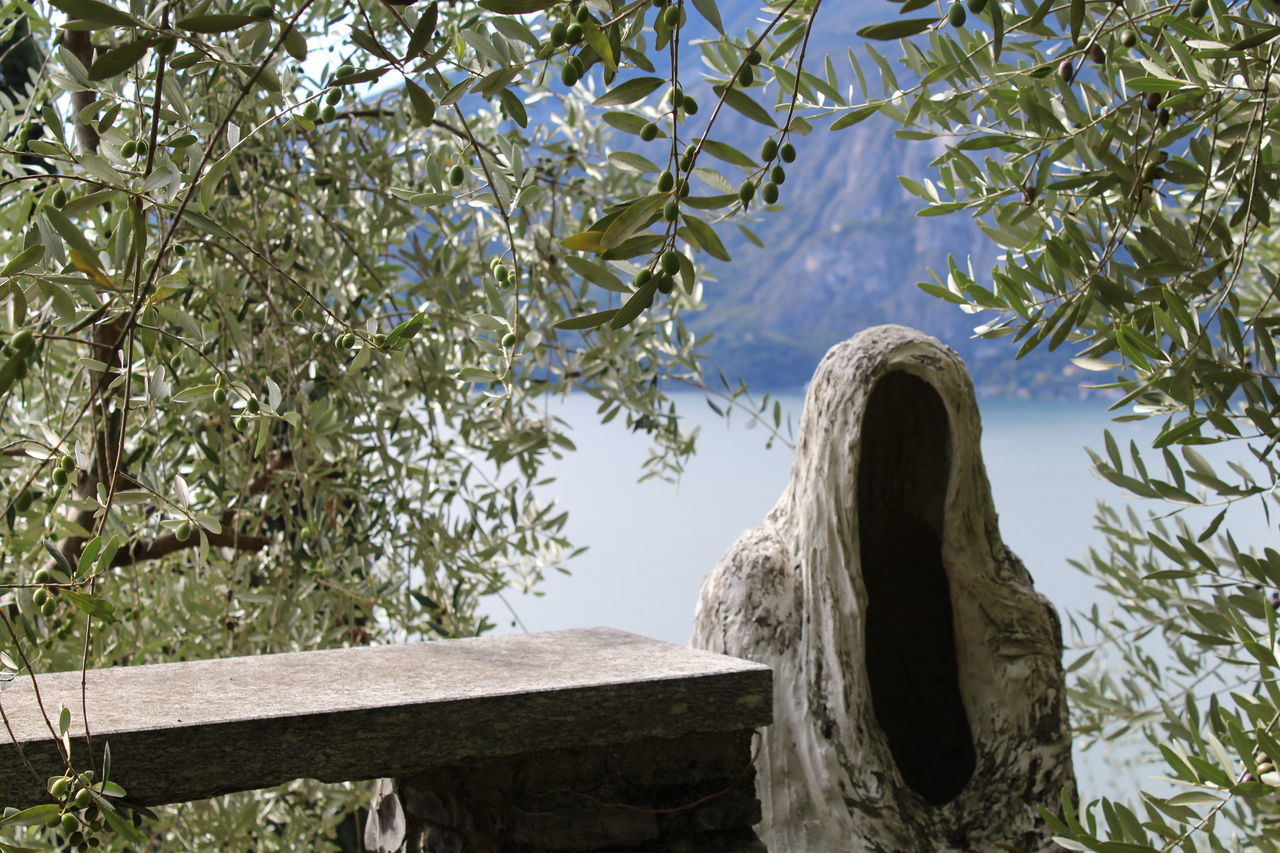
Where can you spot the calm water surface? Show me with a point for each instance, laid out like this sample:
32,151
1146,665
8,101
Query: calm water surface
651,544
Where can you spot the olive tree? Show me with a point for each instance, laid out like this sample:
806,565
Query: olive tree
285,291
1122,157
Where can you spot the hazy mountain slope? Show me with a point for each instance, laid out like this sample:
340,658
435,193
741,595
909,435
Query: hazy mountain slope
845,254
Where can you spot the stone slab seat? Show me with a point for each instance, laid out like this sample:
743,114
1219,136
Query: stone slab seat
184,731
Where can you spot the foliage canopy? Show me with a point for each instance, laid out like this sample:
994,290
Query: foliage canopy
1122,156
286,286
285,291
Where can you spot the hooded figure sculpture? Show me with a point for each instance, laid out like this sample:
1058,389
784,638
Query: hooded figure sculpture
919,702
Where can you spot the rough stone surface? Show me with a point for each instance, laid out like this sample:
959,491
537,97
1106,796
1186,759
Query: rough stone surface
694,794
919,700
184,731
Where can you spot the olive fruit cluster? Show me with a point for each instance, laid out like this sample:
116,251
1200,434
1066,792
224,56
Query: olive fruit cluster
219,391
134,148
43,597
956,15
770,152
501,274
79,818
572,71
21,347
63,470
680,102
313,112
670,17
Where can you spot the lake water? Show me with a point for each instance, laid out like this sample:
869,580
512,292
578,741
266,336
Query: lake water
651,544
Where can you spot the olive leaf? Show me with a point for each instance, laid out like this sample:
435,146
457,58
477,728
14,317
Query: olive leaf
96,12
119,59
892,30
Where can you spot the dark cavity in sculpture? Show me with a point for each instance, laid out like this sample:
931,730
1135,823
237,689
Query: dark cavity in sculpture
910,636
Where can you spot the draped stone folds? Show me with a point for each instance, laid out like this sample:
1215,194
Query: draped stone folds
919,700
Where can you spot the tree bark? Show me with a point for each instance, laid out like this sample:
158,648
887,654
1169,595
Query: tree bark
919,699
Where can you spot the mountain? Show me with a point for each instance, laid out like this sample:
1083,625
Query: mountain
845,253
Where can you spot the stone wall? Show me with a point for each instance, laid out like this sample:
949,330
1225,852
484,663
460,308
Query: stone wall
693,794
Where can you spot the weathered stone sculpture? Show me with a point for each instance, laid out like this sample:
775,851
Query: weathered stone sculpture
919,702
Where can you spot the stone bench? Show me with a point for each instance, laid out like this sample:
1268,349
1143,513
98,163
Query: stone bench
573,740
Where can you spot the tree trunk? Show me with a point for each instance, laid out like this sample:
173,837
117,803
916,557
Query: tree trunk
919,700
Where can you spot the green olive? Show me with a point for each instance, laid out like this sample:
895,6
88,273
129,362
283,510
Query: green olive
24,342
456,175
787,152
649,132
671,261
746,192
956,14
